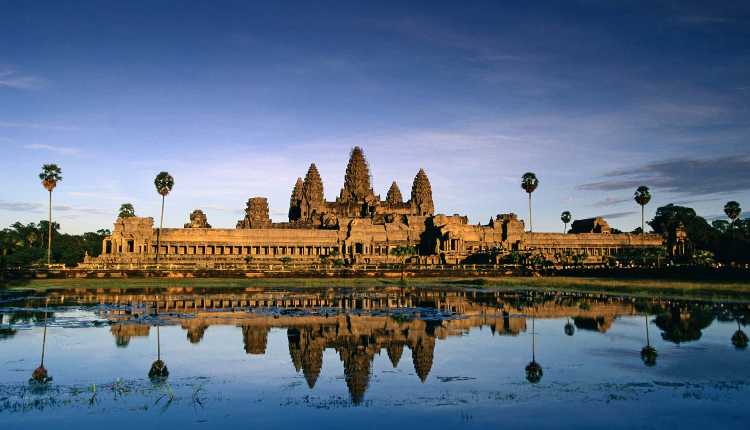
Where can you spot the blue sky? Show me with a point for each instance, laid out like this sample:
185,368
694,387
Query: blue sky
236,99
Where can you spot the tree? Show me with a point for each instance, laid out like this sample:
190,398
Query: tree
51,174
642,196
565,217
164,183
403,252
529,183
733,211
126,211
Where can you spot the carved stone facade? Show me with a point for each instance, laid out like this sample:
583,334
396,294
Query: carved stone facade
198,220
357,227
256,214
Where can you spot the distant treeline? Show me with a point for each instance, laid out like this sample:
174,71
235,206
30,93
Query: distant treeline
728,242
26,244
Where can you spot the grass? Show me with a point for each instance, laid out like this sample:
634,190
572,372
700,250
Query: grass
717,290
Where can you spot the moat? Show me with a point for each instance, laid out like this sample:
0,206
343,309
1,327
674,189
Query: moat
371,357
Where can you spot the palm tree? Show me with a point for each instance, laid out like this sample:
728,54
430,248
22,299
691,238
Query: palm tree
51,174
403,252
565,217
164,183
159,371
529,183
534,370
126,211
40,374
733,211
648,353
642,196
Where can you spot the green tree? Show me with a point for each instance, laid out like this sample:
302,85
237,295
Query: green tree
403,252
565,217
126,211
732,210
642,196
164,184
51,174
529,183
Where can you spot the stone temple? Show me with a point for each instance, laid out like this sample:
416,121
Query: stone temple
357,227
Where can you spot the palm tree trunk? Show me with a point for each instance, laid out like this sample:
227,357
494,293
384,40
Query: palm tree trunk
531,225
648,341
158,232
643,223
49,232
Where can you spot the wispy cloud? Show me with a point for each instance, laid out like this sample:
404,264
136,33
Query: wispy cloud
610,201
616,215
37,126
32,207
63,150
690,176
9,78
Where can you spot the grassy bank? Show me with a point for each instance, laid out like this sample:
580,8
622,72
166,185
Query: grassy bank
718,290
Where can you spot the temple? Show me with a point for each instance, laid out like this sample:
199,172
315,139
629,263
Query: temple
358,227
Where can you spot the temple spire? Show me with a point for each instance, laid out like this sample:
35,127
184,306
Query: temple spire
394,195
357,179
295,201
421,194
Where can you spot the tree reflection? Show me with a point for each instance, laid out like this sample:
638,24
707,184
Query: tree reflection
683,326
534,370
159,371
40,374
739,338
570,329
648,353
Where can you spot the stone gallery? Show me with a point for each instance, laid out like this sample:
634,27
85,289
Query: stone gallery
358,227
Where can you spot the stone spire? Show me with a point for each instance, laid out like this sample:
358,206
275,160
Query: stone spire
422,354
312,202
357,179
394,195
295,201
421,194
395,349
255,339
312,187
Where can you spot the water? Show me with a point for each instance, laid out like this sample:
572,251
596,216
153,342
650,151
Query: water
370,358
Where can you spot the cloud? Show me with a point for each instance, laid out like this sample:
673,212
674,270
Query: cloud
610,201
20,207
42,208
11,79
615,215
37,126
63,150
688,176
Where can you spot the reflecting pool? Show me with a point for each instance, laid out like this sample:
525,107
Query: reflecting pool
368,358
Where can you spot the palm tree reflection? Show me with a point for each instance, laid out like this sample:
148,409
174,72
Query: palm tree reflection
159,371
739,338
40,374
648,353
570,329
534,370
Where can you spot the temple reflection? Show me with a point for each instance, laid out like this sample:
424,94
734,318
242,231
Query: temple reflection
359,324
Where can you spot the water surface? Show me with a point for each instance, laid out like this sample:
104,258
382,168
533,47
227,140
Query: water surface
371,357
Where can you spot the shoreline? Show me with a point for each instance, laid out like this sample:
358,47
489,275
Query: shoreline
636,287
